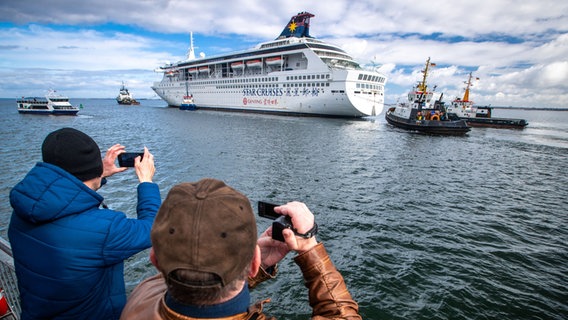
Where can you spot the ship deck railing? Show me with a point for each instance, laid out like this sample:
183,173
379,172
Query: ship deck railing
8,281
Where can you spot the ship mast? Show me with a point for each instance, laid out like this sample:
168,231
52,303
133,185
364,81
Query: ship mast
422,85
466,93
191,51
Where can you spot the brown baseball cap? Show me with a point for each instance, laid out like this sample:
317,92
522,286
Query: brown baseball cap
205,227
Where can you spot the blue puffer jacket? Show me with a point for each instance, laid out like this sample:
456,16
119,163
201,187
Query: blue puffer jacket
68,252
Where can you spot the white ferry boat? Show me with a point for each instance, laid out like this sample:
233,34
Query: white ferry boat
295,74
53,103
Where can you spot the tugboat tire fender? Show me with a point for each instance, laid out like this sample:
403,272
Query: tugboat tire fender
435,117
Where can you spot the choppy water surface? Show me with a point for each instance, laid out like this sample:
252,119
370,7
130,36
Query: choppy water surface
421,227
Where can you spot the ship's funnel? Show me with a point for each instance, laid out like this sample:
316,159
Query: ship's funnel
299,26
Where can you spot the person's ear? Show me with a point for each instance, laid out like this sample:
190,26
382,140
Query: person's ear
153,258
255,263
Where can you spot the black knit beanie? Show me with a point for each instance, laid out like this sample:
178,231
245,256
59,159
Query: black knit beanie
73,151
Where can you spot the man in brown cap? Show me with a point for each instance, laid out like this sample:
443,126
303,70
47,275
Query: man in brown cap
204,243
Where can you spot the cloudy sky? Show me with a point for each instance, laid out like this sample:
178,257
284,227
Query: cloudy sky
85,49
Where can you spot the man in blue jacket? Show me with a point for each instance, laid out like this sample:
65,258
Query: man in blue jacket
68,251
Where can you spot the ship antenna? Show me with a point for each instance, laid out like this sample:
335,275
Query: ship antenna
191,50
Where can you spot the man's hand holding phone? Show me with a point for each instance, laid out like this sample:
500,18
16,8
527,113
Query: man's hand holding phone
144,166
293,224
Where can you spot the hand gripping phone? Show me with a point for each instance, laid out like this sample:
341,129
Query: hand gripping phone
127,159
281,222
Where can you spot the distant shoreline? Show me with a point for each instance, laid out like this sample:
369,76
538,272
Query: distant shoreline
535,108
508,108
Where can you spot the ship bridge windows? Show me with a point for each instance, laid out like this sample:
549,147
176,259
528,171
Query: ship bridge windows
371,78
368,86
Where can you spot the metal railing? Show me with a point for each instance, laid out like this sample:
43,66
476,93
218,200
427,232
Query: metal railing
8,280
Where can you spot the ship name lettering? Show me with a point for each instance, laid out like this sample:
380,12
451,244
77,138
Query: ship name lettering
263,92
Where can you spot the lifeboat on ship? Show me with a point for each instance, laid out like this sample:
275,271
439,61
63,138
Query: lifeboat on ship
274,61
192,70
204,69
256,63
239,65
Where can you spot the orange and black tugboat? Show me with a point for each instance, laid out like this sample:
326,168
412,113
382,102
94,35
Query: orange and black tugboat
425,112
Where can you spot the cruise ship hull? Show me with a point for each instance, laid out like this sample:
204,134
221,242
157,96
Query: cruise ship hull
321,98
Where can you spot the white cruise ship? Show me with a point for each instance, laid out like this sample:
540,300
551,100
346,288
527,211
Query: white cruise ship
295,74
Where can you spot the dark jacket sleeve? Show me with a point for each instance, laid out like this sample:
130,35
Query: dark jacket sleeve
328,294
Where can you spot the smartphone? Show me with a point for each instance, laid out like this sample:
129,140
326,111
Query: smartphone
127,159
281,222
266,210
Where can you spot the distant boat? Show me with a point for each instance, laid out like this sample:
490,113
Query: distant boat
425,113
52,104
125,97
187,102
480,116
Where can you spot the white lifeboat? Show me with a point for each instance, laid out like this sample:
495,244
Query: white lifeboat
204,69
274,61
254,63
239,65
192,70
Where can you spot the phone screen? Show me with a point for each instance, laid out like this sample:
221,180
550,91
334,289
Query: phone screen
266,210
127,159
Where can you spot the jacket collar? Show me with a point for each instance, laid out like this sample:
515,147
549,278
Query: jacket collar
239,304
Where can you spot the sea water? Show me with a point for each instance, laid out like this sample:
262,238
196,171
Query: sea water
421,227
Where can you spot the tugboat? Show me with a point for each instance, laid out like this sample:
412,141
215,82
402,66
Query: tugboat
480,116
125,97
423,113
187,102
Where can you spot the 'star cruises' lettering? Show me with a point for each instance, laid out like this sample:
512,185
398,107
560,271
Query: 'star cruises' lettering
278,92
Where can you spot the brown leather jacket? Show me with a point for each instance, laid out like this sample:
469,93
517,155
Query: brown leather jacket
328,294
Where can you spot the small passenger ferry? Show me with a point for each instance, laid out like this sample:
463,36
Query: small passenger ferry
52,104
